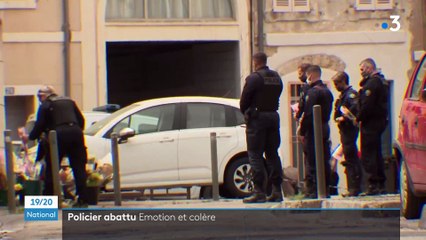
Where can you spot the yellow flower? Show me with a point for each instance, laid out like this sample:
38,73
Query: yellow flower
94,179
18,187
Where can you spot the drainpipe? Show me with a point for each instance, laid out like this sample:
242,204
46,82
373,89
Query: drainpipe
252,37
67,40
260,18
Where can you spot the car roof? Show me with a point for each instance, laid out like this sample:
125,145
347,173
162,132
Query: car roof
91,113
158,101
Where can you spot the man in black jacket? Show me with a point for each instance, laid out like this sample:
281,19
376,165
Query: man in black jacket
301,71
373,118
317,94
62,115
345,110
259,104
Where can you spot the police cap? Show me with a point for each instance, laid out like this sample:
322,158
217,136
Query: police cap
46,91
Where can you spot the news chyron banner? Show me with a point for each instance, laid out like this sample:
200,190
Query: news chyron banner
231,224
41,208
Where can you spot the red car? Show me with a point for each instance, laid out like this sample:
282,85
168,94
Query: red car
410,146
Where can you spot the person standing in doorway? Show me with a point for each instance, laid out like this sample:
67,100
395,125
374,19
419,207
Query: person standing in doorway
345,109
259,104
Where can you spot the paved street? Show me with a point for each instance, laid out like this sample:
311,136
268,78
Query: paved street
12,226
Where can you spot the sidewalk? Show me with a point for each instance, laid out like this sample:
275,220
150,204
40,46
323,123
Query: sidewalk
12,226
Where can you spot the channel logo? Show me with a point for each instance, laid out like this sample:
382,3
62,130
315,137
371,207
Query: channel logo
395,25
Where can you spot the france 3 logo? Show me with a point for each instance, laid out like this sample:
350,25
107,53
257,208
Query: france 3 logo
395,25
41,208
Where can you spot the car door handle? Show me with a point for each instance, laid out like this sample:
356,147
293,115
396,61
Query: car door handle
167,140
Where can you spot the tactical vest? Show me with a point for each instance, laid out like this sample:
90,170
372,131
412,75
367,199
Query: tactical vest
268,98
61,112
385,97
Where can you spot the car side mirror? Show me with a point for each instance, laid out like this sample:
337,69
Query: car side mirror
424,95
125,134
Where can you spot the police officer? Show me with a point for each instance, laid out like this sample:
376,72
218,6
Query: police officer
372,116
259,103
317,94
62,115
345,109
301,71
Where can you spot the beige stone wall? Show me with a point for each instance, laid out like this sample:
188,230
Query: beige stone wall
336,36
336,15
34,20
33,63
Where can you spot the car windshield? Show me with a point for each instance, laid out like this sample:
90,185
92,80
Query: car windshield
92,130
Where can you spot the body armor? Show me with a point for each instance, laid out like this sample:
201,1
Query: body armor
62,112
268,98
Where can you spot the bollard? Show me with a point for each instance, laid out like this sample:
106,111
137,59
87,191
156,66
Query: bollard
422,220
116,169
215,175
54,160
319,152
10,172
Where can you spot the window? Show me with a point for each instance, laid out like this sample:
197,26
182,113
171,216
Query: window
239,116
291,5
418,81
205,115
155,119
374,4
119,10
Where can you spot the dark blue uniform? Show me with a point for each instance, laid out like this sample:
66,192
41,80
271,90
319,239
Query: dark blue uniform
317,94
259,103
62,115
348,137
373,114
304,89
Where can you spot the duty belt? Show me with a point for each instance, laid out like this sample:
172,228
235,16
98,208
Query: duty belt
66,124
261,110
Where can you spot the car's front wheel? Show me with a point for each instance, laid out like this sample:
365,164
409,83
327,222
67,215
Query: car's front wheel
238,178
410,204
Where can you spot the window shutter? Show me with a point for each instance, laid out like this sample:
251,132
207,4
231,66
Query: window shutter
301,6
384,4
281,5
364,4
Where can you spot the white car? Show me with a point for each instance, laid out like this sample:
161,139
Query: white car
91,117
169,143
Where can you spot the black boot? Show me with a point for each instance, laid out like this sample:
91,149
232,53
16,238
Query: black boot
276,195
373,189
80,204
334,182
258,196
310,190
255,198
354,186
